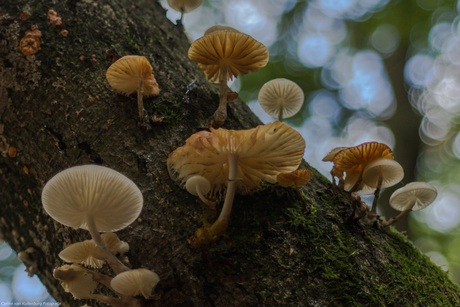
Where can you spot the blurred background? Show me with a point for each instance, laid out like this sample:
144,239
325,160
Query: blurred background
371,70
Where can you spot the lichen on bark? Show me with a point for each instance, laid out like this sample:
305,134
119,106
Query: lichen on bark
273,253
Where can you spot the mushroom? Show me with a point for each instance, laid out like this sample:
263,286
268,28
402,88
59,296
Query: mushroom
330,157
296,178
412,197
133,73
24,257
237,160
199,186
281,98
222,53
381,173
184,6
135,282
94,198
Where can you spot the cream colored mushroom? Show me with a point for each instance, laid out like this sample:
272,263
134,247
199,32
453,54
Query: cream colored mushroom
199,186
94,198
135,282
281,98
184,6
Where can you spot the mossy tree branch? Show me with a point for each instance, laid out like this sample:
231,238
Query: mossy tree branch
273,253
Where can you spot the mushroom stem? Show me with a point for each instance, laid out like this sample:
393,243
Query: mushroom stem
281,114
221,113
140,94
113,261
231,187
395,219
358,182
211,204
376,198
305,207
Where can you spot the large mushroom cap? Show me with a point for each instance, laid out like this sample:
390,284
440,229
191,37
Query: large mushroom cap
417,195
281,96
353,159
111,198
239,51
263,153
390,171
184,6
124,76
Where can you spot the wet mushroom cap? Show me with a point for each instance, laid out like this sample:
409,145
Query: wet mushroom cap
264,152
390,170
332,153
135,282
124,76
298,177
281,95
419,194
239,51
112,199
184,6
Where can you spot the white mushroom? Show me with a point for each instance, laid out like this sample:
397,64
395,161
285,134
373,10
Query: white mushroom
135,282
199,186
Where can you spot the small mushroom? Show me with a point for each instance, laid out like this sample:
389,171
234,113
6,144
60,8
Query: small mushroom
25,257
200,186
135,282
222,53
281,98
380,174
94,198
335,173
296,178
184,6
130,74
412,197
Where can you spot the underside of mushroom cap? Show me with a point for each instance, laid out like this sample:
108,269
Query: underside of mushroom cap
240,52
281,95
135,282
420,193
112,199
263,153
390,171
184,6
124,76
363,189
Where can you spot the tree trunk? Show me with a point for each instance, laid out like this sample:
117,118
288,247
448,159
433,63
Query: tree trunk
273,253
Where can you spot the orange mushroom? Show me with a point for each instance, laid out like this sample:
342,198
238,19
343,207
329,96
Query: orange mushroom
296,178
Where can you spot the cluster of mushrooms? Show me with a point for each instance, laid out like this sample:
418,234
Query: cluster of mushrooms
212,165
98,199
370,167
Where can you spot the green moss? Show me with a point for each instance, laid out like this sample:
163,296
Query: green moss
171,111
130,41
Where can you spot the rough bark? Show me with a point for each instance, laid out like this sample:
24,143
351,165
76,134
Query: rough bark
273,253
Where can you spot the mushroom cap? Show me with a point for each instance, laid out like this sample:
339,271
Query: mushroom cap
124,76
111,198
184,6
264,152
421,194
353,159
298,177
75,280
363,188
281,95
332,153
240,52
82,252
390,170
199,182
135,282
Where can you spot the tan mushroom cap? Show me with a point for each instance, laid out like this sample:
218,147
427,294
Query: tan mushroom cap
353,159
124,76
239,51
298,177
281,96
184,6
263,152
75,280
390,170
332,153
112,199
416,194
135,282
363,188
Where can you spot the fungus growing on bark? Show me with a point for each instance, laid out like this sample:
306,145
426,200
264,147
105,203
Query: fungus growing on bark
184,6
296,178
199,186
94,198
335,173
222,53
130,74
32,264
380,174
237,160
412,197
281,98
135,282
54,19
30,43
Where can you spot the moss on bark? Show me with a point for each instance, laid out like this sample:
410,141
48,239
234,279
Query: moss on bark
273,254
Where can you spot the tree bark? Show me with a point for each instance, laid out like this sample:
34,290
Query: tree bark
273,253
